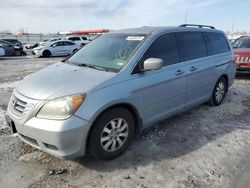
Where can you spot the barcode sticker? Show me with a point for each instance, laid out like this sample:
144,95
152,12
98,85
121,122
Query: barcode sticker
139,38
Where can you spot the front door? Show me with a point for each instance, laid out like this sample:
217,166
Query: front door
163,91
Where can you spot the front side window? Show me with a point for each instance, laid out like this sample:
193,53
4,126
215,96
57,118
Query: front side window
68,43
164,47
192,45
109,51
57,44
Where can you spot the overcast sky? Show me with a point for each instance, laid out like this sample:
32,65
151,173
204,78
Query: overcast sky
47,16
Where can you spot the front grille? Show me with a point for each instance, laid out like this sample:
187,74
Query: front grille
243,59
20,105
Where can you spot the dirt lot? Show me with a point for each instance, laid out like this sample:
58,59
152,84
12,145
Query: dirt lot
204,147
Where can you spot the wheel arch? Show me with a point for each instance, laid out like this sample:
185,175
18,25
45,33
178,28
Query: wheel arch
226,78
131,108
46,50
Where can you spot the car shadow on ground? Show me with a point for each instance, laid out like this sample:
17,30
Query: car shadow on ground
179,135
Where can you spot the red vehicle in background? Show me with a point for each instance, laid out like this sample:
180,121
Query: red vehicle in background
241,48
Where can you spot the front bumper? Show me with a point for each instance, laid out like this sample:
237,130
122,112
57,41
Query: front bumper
65,139
242,68
37,52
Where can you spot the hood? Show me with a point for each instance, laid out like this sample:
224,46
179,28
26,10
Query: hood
60,80
242,51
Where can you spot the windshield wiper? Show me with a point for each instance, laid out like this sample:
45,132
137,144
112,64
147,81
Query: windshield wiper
94,67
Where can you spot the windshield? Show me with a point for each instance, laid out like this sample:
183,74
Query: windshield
109,51
241,43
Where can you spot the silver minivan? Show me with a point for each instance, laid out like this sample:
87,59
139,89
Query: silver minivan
119,84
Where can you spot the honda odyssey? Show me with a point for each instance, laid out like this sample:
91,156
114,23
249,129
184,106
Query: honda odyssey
97,99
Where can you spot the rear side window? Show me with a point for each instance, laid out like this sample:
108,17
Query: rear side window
216,43
164,47
192,45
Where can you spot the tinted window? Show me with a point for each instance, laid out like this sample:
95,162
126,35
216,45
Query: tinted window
84,38
164,47
216,43
60,43
74,38
57,44
5,44
192,45
68,43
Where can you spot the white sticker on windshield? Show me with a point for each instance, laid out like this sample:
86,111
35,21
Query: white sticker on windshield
135,38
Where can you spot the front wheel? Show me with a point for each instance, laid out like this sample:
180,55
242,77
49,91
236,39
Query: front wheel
18,53
46,53
219,92
111,133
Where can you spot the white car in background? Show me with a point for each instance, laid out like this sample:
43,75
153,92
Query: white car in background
42,43
2,51
78,39
58,48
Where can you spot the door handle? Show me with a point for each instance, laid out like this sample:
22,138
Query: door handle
179,72
193,68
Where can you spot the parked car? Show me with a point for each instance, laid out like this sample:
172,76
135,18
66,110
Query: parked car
2,51
119,84
10,49
78,39
47,41
58,48
242,54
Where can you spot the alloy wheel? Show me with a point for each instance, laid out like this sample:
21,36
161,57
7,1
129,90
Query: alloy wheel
114,134
220,91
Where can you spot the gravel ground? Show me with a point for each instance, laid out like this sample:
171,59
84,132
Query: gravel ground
204,147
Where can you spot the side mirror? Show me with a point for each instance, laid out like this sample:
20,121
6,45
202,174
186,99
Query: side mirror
152,64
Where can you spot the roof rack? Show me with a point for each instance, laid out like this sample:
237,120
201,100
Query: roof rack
196,25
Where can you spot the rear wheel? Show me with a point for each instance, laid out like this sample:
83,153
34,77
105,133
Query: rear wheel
46,53
112,133
219,92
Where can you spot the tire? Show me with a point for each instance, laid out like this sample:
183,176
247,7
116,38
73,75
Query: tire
219,92
18,53
111,133
24,53
46,53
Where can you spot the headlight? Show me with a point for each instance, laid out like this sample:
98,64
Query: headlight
61,108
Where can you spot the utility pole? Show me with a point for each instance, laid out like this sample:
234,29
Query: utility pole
186,15
232,29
